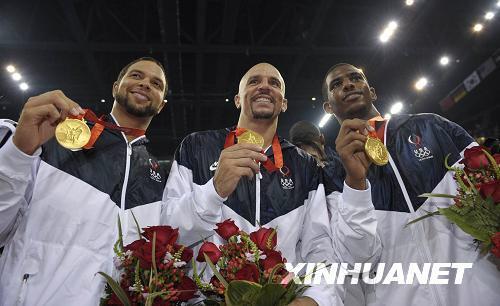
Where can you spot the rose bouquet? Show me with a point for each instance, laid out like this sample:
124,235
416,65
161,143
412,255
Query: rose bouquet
476,208
247,269
152,270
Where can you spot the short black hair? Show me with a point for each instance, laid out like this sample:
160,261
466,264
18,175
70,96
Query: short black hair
140,59
324,86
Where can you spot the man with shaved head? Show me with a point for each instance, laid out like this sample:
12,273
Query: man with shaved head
418,145
214,177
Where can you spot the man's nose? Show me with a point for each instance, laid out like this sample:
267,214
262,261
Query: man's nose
348,85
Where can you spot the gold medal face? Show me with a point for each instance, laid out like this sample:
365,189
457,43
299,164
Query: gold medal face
251,137
72,133
376,151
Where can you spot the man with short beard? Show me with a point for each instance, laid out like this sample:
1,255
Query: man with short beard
417,145
58,208
213,178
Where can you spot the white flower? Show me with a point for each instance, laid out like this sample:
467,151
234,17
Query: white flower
168,257
179,264
118,262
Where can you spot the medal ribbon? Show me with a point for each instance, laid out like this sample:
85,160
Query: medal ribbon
268,164
100,124
378,128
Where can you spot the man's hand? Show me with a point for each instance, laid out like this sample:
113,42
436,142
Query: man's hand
234,162
303,301
350,145
39,118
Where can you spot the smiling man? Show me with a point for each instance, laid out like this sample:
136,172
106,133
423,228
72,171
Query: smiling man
214,178
418,145
58,208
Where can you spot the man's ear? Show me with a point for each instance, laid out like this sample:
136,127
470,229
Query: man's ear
115,89
237,101
373,94
284,105
327,107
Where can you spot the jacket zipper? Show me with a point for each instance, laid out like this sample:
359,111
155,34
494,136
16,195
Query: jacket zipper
22,290
258,177
418,229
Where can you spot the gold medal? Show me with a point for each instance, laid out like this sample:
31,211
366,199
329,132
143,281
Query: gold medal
251,137
376,151
72,133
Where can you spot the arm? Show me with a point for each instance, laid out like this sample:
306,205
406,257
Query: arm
193,208
17,174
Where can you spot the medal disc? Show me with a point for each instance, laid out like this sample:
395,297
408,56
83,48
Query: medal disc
376,151
251,137
72,134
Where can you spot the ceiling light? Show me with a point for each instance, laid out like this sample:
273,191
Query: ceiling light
16,76
10,69
396,107
227,100
23,86
477,27
313,98
102,100
324,120
421,83
489,15
409,2
388,31
444,60
387,116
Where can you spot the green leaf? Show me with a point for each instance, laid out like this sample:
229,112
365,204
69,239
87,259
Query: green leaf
430,214
464,225
493,163
271,294
273,271
120,234
153,255
136,224
215,271
242,293
436,195
122,296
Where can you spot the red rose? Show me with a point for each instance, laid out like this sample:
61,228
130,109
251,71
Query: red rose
273,258
186,255
211,250
134,245
491,189
187,288
497,158
145,254
249,272
227,229
474,158
495,239
261,238
164,234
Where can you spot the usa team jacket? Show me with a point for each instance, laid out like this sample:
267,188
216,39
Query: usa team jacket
58,215
294,204
418,145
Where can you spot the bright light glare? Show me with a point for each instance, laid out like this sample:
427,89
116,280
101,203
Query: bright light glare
313,98
421,83
388,31
16,76
477,27
444,60
10,69
396,108
409,2
489,15
103,100
324,120
23,86
387,116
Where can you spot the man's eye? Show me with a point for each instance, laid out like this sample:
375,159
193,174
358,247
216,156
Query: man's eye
252,82
334,85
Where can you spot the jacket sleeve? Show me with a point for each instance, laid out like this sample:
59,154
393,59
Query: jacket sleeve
17,174
316,247
354,226
193,208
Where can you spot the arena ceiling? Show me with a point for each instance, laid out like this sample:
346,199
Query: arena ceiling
207,45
